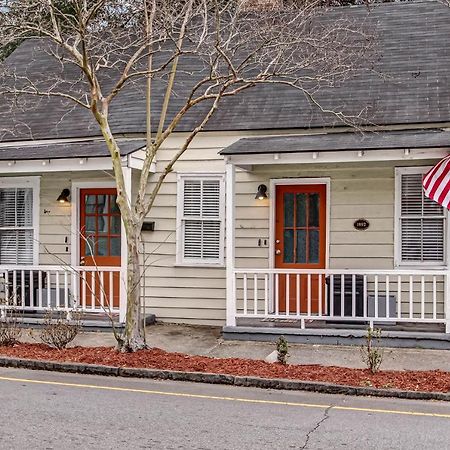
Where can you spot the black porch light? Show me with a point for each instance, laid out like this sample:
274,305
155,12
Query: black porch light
64,196
262,192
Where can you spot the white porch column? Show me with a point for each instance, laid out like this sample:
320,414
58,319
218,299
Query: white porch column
447,302
230,244
127,171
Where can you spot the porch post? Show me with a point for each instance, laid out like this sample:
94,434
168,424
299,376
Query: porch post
124,253
230,245
447,302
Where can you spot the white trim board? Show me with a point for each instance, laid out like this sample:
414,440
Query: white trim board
343,156
272,211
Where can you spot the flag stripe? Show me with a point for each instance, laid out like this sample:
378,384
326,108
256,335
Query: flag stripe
436,183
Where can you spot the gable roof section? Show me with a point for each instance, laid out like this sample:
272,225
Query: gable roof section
381,140
85,149
415,86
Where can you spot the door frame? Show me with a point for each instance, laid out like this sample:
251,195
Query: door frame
77,186
274,182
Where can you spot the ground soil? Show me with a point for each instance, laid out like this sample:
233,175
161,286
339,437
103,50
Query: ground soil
155,358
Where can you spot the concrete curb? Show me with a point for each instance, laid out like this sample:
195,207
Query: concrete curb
212,378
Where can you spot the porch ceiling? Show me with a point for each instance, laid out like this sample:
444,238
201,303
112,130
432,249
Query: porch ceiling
65,150
332,142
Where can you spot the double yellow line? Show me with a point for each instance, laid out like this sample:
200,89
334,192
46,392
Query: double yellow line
228,399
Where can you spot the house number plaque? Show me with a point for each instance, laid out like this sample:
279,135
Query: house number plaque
361,224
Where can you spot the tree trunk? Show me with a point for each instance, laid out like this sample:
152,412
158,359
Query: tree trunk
134,337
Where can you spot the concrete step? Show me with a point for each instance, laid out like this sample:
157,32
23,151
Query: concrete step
327,336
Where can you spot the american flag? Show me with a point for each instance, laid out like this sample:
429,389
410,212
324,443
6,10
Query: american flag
436,183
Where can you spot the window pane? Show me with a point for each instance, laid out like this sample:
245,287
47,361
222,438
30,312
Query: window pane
24,207
102,247
115,246
313,246
16,247
102,222
411,194
7,207
115,225
433,240
102,204
113,205
288,205
288,256
314,208
90,224
211,198
192,197
89,246
301,247
192,239
301,210
90,202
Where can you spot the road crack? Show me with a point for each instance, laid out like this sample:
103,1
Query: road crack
316,427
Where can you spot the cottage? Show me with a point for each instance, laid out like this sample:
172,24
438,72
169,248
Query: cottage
278,215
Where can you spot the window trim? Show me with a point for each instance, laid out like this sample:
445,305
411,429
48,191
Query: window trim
398,262
180,259
34,183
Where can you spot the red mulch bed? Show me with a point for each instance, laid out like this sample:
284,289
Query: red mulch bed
155,358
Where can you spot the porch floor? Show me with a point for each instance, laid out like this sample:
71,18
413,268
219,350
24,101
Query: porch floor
324,324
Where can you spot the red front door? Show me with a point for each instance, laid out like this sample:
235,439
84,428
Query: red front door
100,246
300,243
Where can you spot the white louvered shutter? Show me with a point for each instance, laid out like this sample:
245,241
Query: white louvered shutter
201,222
16,226
422,223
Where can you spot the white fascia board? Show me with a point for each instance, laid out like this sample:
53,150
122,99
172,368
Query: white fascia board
337,156
67,165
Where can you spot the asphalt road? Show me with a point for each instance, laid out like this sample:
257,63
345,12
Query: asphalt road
41,410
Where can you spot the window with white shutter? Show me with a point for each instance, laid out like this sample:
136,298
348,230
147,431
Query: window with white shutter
17,221
200,219
421,223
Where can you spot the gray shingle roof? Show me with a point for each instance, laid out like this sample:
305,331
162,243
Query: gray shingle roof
414,58
340,141
86,149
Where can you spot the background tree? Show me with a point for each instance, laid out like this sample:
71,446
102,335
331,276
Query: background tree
103,48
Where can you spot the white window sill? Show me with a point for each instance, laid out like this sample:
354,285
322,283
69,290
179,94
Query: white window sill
201,265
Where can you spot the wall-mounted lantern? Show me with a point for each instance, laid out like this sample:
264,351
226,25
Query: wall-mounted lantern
262,192
64,196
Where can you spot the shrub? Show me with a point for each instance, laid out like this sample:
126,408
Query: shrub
371,355
10,330
61,330
282,350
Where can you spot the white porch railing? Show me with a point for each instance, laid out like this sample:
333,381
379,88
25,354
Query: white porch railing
369,296
41,288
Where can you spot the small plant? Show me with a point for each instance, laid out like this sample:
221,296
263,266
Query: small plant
282,350
10,330
371,355
61,330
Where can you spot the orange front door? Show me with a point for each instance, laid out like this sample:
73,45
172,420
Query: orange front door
100,246
300,243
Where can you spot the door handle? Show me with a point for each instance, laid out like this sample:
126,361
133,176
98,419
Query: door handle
277,251
82,261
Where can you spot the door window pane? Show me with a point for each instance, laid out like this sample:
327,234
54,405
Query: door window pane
313,210
102,246
102,224
102,204
313,245
90,224
288,256
301,210
89,246
90,202
288,200
115,225
114,207
301,247
115,246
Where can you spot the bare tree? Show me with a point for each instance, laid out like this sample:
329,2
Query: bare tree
101,49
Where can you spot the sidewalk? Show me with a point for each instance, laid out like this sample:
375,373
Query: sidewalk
206,341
